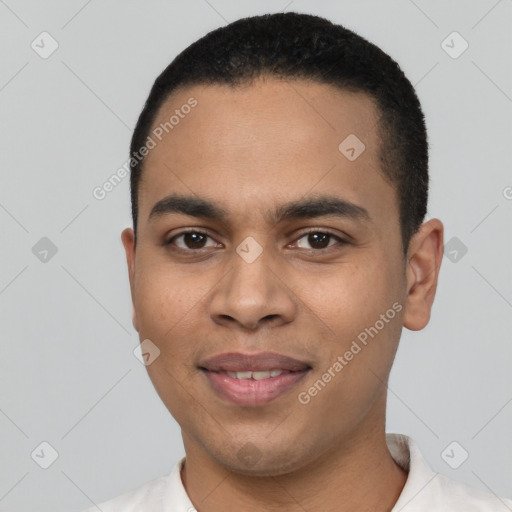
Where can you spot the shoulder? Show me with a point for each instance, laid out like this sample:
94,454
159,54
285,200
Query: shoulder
161,494
426,490
457,496
146,497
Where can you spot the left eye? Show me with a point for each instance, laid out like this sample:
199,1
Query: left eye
319,238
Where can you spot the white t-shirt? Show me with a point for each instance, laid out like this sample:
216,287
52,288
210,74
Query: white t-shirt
424,490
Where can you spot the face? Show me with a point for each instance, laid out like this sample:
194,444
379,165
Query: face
298,253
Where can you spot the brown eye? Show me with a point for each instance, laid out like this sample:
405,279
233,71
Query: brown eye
319,240
190,240
194,240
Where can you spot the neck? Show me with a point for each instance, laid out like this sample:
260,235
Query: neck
358,474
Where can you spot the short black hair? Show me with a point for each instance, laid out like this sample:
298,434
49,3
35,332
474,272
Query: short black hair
302,46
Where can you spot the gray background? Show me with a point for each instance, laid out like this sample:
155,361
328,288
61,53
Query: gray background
68,372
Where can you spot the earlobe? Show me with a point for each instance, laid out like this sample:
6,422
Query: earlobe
134,319
422,272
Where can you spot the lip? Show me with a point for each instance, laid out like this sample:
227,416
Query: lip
240,362
253,393
250,392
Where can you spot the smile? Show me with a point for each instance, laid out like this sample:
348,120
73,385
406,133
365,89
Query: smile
256,375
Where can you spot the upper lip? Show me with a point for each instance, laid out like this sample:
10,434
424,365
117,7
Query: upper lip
240,362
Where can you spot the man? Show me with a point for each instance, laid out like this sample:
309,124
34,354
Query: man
279,181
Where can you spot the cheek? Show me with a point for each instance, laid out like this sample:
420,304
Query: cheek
176,389
165,307
163,297
360,312
350,297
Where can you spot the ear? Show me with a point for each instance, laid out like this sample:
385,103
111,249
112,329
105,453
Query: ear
422,271
128,239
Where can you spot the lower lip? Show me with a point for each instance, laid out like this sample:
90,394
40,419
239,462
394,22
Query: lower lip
250,392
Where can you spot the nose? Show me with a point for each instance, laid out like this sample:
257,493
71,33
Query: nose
252,295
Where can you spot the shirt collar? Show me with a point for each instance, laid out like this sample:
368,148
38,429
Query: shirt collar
407,455
402,448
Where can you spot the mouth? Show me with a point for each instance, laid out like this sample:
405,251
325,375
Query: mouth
253,379
254,375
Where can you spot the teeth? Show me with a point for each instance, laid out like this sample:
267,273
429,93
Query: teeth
258,375
241,375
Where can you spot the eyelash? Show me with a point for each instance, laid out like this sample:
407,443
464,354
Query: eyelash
340,240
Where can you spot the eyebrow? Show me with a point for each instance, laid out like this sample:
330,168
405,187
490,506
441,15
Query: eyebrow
306,208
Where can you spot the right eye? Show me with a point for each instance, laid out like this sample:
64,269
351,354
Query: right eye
191,240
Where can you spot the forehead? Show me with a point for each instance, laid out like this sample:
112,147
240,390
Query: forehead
265,142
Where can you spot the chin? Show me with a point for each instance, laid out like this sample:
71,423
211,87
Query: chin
249,460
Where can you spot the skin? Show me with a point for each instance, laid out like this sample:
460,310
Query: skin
250,149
